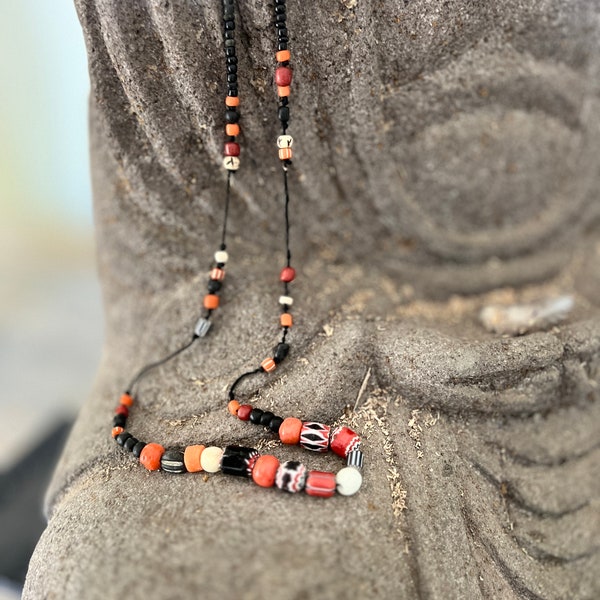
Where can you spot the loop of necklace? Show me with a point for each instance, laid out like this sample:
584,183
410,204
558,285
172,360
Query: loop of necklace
265,470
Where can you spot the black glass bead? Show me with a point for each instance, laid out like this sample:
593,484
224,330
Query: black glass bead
284,113
229,35
255,416
137,449
231,60
282,32
229,43
232,116
130,443
280,24
284,100
228,13
266,417
214,285
172,462
279,1
281,351
220,265
122,438
228,2
280,18
232,68
232,89
229,51
282,45
232,78
238,460
279,8
275,424
229,25
119,420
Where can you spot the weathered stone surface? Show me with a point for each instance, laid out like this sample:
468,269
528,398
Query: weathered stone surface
442,148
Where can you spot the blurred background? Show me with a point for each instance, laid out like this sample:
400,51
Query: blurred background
50,313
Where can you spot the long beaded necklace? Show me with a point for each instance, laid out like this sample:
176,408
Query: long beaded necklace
265,470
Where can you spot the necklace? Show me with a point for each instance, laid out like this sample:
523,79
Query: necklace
265,470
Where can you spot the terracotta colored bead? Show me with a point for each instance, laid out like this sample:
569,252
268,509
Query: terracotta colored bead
268,365
232,129
211,301
127,400
191,458
244,411
285,153
283,76
344,441
116,431
232,100
151,455
289,431
217,274
233,407
210,459
231,149
122,410
264,471
320,484
283,56
283,91
286,320
287,274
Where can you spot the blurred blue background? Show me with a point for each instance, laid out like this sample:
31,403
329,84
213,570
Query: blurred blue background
50,312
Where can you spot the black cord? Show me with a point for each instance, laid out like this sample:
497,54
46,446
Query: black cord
226,215
287,216
239,379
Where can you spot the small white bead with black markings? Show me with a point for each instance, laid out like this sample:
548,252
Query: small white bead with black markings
285,141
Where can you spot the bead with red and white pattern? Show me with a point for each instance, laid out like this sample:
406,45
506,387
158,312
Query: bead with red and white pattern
315,436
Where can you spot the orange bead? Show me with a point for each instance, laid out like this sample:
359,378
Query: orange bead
289,430
283,55
211,301
232,100
268,365
116,431
285,153
233,407
191,458
127,400
286,320
217,274
264,471
283,91
232,129
151,455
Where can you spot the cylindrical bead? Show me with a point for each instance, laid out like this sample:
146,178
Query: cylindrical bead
283,76
275,424
256,415
285,141
291,476
238,461
268,365
285,153
289,430
217,274
211,301
355,459
280,353
123,437
286,320
130,443
202,327
210,459
315,436
137,449
321,484
122,410
151,455
232,129
231,149
244,411
231,163
286,300
191,458
233,407
221,257
172,462
283,55
344,441
283,91
119,421
265,470
348,481
232,116
287,275
232,100
116,431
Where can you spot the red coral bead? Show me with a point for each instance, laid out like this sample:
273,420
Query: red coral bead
244,411
287,274
122,410
231,149
283,76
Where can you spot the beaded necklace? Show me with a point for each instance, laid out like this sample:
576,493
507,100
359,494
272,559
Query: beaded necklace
265,470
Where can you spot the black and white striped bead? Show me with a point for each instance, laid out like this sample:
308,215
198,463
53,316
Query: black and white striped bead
172,462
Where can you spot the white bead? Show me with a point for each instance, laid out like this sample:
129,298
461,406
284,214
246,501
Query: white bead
210,459
221,256
231,163
202,327
348,481
285,141
287,300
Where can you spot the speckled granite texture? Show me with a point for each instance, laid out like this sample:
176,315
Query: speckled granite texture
447,157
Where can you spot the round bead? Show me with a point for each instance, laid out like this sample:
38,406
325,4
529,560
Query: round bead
266,417
122,410
231,149
191,458
344,441
210,459
221,257
232,100
291,476
211,301
320,484
265,469
172,462
275,424
151,455
315,436
289,430
283,76
214,286
283,91
286,320
119,421
256,415
217,274
285,141
348,481
355,459
244,411
286,300
268,365
231,163
283,56
137,449
116,431
123,437
285,153
233,406
287,274
127,400
232,129
130,443
232,116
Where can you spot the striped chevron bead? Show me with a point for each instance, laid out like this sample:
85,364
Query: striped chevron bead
315,436
344,441
291,476
355,459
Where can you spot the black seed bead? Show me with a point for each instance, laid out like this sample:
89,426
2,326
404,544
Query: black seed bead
229,25
275,424
237,461
130,443
230,138
119,420
284,113
228,13
266,418
229,35
279,1
172,462
232,68
228,2
282,32
232,116
280,18
280,24
284,100
230,51
229,43
122,438
255,416
137,449
231,60
281,351
282,45
279,8
214,285
232,78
